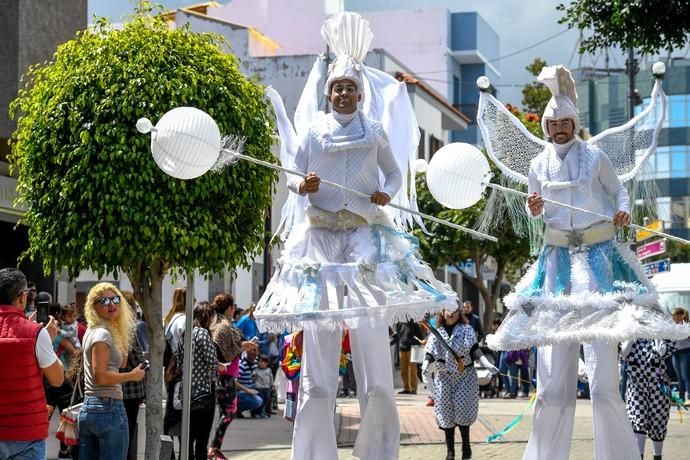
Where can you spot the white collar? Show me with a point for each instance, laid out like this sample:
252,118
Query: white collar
563,149
344,118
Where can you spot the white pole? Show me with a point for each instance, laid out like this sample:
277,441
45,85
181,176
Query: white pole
364,195
575,208
187,366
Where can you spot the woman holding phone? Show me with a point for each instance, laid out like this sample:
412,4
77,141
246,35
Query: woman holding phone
103,426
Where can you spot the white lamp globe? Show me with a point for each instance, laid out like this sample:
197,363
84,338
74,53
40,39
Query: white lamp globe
420,165
658,69
483,83
456,175
186,142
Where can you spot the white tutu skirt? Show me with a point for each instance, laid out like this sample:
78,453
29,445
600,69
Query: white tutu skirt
341,278
582,295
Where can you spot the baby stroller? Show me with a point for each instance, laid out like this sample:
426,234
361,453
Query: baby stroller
488,383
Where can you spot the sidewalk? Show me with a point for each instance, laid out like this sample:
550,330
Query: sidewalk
420,439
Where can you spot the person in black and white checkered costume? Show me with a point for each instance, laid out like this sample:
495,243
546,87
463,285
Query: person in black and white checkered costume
647,405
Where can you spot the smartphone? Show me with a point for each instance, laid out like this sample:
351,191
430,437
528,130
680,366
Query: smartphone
146,364
43,313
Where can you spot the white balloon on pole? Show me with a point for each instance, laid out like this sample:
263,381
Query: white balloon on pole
457,175
185,142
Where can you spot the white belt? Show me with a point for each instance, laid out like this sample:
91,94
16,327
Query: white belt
595,234
341,220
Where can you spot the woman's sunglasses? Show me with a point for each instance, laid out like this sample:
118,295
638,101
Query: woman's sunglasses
107,301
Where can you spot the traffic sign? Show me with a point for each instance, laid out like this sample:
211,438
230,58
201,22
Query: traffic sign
659,266
657,226
651,249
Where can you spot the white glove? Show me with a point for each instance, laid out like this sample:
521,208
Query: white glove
660,347
487,365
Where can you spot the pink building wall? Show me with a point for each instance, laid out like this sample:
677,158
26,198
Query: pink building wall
417,38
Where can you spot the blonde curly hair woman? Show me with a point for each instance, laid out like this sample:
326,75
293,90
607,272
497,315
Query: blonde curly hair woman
103,428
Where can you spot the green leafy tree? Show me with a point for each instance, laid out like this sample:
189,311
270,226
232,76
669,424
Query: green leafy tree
678,252
448,246
96,200
646,26
535,95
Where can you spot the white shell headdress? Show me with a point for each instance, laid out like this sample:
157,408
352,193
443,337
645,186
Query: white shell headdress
348,35
563,103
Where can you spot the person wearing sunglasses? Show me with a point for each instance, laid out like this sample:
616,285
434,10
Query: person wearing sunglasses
103,427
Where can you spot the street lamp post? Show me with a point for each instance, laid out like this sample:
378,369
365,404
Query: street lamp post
187,366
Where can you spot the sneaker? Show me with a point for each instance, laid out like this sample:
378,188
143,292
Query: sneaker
404,392
509,396
64,454
524,395
429,402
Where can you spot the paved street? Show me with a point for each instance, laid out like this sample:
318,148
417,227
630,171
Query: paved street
260,439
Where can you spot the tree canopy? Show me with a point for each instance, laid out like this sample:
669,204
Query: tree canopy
448,246
535,95
646,26
96,199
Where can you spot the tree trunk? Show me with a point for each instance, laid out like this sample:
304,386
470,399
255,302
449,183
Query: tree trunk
478,283
148,286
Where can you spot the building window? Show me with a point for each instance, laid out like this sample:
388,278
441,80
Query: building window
434,145
422,143
677,110
679,166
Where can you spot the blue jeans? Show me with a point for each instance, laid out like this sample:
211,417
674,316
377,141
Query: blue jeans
681,364
23,450
245,401
514,381
103,429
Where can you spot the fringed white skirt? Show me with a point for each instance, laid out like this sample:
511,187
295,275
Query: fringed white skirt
330,278
585,294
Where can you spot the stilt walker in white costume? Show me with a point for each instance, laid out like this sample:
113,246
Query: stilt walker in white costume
585,287
347,262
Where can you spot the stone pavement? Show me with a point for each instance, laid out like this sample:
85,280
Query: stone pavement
269,439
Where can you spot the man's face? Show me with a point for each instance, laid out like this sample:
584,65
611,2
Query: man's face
344,96
561,130
467,308
31,295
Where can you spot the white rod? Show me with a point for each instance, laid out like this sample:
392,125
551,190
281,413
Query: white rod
365,195
187,366
575,208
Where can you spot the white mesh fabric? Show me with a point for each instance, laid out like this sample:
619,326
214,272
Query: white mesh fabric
628,146
510,146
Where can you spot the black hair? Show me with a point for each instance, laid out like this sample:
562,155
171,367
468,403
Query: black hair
12,283
264,358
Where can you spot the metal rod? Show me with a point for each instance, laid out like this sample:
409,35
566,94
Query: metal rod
365,195
575,208
187,366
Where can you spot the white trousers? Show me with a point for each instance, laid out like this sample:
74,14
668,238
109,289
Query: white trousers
554,410
314,436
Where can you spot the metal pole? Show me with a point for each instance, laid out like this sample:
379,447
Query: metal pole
187,366
631,83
